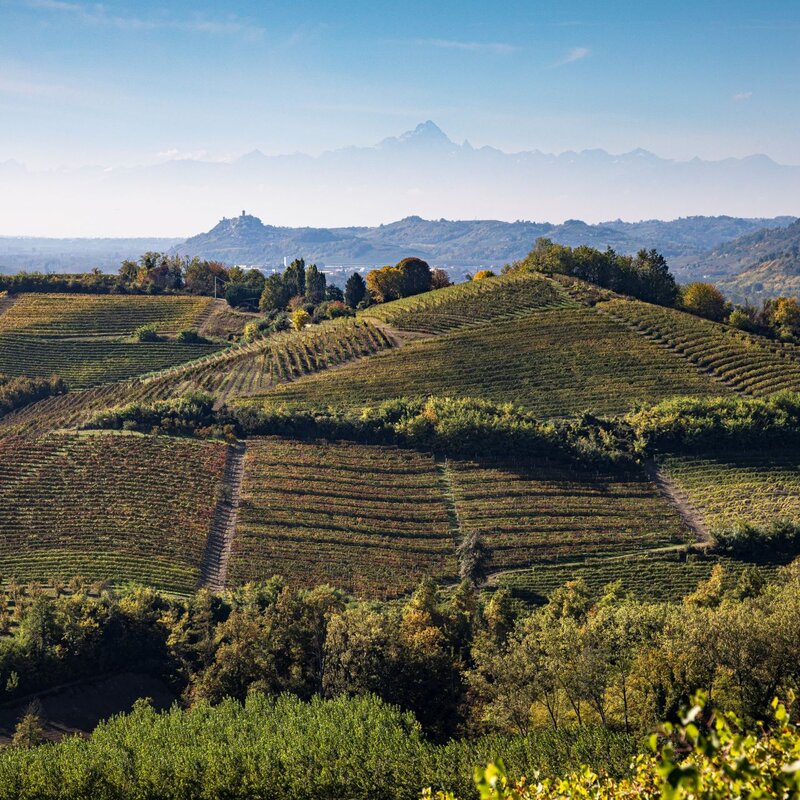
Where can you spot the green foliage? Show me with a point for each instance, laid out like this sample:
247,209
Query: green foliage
409,277
705,300
314,285
645,276
696,759
191,336
692,424
191,414
18,392
779,539
355,290
147,333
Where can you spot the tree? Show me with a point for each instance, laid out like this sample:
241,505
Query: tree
440,279
334,293
203,276
355,290
705,300
300,318
294,278
482,274
786,314
242,295
315,285
416,276
657,285
275,294
29,731
385,284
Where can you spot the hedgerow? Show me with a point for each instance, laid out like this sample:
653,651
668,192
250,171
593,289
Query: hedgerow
21,391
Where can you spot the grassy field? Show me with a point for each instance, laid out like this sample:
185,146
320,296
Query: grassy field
544,512
502,298
666,576
68,315
745,362
557,363
107,506
372,520
749,487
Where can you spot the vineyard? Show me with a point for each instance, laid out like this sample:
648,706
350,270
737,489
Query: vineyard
85,339
371,520
659,576
233,372
88,362
503,298
743,361
107,507
68,315
749,487
543,512
557,363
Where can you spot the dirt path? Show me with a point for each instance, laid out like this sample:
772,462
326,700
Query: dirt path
214,568
446,482
679,500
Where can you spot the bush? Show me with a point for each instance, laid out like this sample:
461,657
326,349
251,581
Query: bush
483,274
691,423
192,414
18,392
147,333
300,318
191,336
778,540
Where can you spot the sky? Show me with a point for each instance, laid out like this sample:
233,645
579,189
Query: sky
120,83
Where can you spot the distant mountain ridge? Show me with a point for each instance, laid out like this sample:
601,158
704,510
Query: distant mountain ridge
762,264
466,243
421,171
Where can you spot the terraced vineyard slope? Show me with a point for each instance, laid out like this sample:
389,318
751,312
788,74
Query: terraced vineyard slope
371,520
557,363
743,361
502,298
57,315
230,373
86,339
546,512
659,575
107,507
751,487
83,363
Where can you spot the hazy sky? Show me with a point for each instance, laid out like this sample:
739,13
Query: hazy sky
127,83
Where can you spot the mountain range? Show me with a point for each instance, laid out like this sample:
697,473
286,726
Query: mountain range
421,172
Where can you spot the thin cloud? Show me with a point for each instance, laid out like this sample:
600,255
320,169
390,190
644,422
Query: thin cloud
741,97
498,48
97,14
576,54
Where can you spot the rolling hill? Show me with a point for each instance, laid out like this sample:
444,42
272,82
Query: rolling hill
759,265
461,244
372,518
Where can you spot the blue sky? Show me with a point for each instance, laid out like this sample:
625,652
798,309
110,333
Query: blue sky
129,83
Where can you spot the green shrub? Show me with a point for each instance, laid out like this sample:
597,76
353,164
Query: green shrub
147,333
191,336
